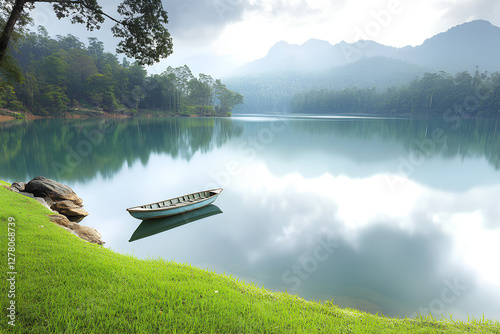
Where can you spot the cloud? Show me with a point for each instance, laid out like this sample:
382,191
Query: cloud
457,12
201,21
296,10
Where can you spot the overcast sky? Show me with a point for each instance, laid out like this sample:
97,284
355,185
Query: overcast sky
246,29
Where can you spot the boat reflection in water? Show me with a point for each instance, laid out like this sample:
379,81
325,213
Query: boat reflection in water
154,226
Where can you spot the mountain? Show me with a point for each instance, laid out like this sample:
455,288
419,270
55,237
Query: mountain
269,84
272,91
461,48
313,55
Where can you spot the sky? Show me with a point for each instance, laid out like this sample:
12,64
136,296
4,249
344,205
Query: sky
244,30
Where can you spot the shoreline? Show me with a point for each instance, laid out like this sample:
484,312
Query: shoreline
7,115
79,114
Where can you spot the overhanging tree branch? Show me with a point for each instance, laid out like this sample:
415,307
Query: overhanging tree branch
83,3
142,31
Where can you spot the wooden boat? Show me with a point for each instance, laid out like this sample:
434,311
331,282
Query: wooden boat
175,206
151,227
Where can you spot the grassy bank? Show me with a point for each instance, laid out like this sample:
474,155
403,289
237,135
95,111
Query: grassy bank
64,284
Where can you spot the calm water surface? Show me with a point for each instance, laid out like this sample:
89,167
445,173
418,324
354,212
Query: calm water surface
383,215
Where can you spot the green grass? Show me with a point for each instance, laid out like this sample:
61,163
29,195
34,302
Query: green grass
66,285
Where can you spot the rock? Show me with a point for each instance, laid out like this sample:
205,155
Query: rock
42,202
64,201
59,197
76,219
60,220
48,201
41,186
19,186
26,194
69,209
87,233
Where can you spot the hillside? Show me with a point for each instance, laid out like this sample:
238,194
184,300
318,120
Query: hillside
268,84
273,91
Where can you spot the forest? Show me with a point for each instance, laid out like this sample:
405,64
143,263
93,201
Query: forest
434,94
63,75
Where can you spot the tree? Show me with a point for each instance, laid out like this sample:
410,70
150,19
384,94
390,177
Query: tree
96,48
138,95
97,86
227,99
141,26
64,73
54,69
8,68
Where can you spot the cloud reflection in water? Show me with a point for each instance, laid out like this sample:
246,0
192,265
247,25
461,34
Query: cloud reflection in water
398,245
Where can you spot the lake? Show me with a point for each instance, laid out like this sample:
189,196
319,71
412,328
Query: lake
393,216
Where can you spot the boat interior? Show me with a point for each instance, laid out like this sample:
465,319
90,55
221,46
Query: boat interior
180,200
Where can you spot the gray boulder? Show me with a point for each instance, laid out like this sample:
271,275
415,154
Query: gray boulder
43,202
18,186
59,197
41,186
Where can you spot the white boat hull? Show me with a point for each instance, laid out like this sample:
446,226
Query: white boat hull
174,206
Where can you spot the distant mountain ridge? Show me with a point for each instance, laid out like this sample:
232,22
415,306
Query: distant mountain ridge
461,48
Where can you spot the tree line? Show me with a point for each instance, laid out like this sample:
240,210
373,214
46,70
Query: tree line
63,74
434,94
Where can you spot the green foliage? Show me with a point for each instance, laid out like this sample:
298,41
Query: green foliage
435,94
141,25
19,116
54,100
143,31
109,102
9,69
198,111
16,106
227,99
98,85
63,72
177,89
54,69
8,98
